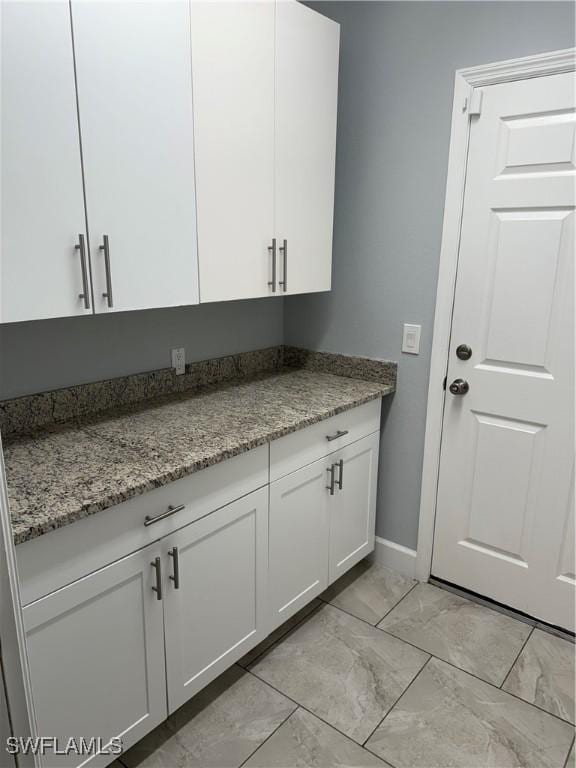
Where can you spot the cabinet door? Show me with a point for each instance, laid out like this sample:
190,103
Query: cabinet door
133,64
299,532
96,655
215,594
307,47
353,515
233,73
42,198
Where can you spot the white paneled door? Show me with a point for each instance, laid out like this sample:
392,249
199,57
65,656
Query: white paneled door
42,271
307,49
505,507
133,64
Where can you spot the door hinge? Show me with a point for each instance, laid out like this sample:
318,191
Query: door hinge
473,103
444,383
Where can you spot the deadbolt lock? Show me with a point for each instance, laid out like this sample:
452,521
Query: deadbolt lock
464,352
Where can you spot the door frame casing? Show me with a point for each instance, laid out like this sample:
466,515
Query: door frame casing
466,83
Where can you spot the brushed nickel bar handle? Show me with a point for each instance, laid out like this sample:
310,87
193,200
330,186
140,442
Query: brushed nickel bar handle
340,473
272,250
173,553
85,295
284,249
106,248
340,433
157,565
331,473
149,520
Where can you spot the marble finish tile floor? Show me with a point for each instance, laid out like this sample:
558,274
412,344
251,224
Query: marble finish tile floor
368,592
342,669
544,674
382,672
303,740
450,718
218,728
464,633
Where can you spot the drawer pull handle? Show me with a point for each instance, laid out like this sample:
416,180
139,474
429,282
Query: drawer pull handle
157,565
330,471
340,433
148,520
176,577
340,466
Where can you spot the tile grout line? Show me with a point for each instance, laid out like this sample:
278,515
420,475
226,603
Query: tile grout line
302,706
396,604
569,751
524,644
328,725
364,621
416,676
285,720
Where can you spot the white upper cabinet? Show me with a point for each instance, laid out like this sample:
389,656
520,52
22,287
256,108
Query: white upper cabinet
158,154
133,63
265,93
233,72
307,48
42,201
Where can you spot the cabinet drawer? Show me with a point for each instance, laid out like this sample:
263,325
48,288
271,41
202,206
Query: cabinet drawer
60,557
293,451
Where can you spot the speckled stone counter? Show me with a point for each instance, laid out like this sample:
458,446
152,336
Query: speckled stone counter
65,472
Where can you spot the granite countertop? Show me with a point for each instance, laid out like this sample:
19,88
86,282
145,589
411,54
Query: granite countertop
64,472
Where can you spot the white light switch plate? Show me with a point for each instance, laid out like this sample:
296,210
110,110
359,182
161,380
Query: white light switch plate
411,339
179,360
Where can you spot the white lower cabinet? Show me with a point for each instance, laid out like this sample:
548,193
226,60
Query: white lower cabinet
353,511
322,520
96,653
299,529
121,646
215,598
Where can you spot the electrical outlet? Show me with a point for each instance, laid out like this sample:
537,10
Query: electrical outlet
411,339
179,360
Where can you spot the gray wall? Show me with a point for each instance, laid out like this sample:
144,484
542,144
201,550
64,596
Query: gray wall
48,354
396,79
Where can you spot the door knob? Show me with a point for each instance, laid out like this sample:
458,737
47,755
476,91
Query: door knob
459,387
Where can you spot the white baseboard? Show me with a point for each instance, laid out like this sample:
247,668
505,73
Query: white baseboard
395,556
